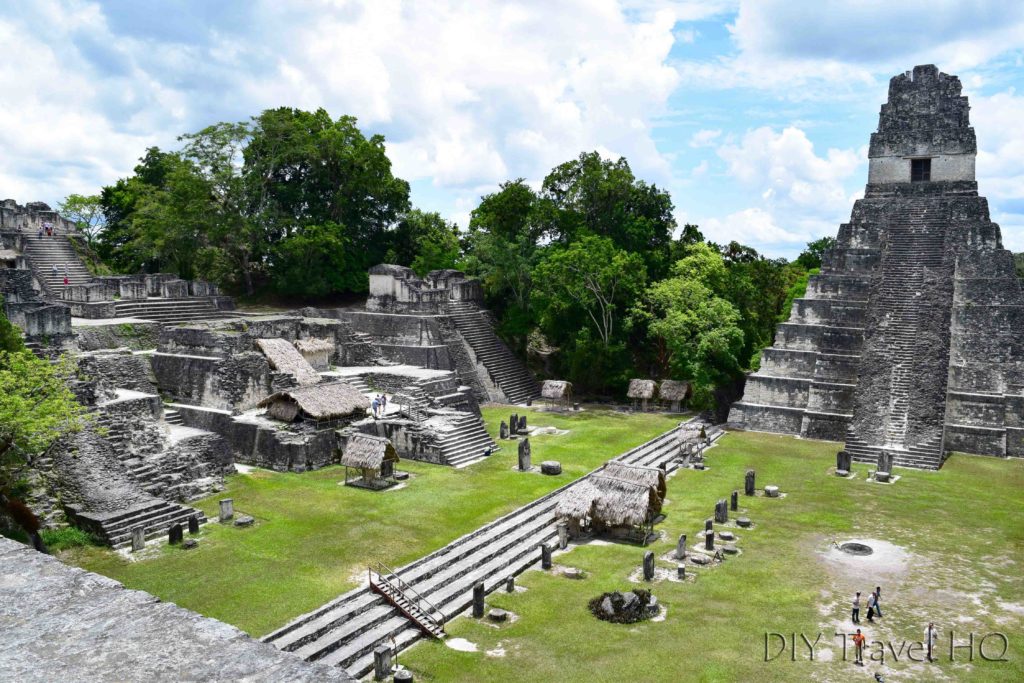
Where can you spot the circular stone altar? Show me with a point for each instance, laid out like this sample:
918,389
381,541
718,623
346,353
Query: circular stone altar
856,548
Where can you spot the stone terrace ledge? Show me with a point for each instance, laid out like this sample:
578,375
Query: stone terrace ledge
63,623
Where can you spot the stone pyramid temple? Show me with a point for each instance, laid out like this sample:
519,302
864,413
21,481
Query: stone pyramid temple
911,339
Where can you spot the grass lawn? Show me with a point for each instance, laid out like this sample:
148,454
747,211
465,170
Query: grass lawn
957,549
314,538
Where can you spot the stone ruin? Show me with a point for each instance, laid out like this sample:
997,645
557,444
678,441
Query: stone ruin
177,402
908,343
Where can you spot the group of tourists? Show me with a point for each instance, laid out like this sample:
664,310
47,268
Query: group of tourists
46,228
874,606
379,405
56,271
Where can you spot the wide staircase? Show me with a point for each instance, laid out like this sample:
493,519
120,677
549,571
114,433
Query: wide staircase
916,241
467,442
170,311
155,516
345,631
50,256
506,370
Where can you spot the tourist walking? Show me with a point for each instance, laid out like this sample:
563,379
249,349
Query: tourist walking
856,608
65,280
56,272
878,601
858,643
65,269
930,636
40,233
871,608
383,404
374,405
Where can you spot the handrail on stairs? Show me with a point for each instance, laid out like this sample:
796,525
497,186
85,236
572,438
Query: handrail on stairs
401,587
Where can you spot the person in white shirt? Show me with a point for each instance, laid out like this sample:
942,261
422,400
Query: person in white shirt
871,608
856,608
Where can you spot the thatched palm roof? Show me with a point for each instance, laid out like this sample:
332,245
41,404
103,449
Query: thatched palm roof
610,500
641,388
366,451
322,402
648,476
674,390
578,501
556,388
314,345
283,357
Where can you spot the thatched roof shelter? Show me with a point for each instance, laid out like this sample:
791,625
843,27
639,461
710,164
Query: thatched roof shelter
642,388
283,357
648,476
368,452
624,503
322,402
610,501
674,390
314,345
578,501
556,389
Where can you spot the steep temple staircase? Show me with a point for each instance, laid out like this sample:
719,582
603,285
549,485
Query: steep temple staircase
48,252
506,371
916,239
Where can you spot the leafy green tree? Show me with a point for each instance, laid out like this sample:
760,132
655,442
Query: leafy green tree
86,212
694,333
317,262
118,244
501,249
594,196
424,241
811,256
10,336
36,408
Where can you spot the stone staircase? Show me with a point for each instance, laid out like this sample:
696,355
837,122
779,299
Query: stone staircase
173,417
157,516
345,631
466,443
169,311
504,368
43,254
916,243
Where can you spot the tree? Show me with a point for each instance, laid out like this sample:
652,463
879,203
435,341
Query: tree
36,408
86,212
424,241
696,334
595,196
812,256
501,250
590,279
10,336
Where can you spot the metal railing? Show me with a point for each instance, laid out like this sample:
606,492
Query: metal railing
390,578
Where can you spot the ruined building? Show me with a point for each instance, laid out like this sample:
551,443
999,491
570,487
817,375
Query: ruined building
909,340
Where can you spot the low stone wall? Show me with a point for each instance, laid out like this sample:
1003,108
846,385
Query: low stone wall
410,440
239,381
270,446
119,370
135,336
431,357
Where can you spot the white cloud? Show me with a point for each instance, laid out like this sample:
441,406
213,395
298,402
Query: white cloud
705,138
835,47
754,226
467,93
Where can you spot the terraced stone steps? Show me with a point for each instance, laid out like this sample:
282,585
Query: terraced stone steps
156,516
506,371
169,311
43,254
465,444
345,631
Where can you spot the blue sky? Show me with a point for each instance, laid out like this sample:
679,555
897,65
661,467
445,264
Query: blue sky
755,115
